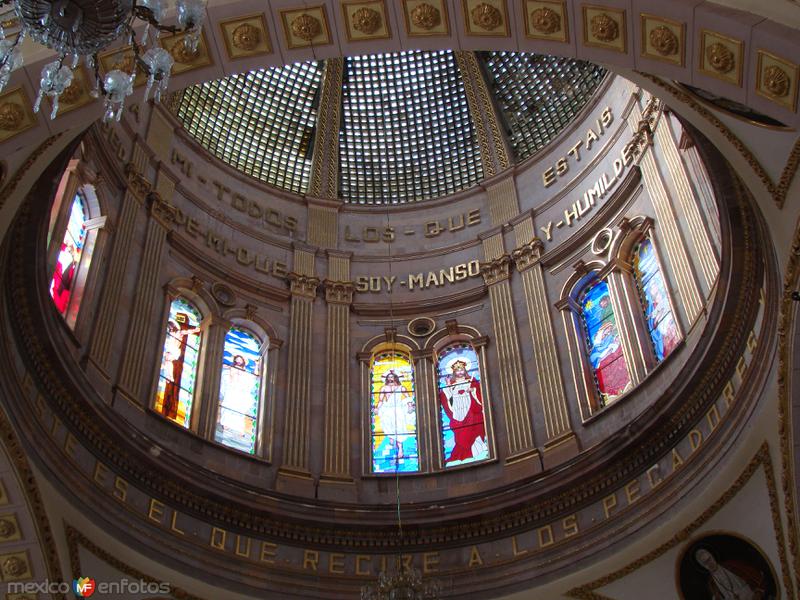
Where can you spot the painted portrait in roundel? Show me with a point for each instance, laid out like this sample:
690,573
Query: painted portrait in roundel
725,567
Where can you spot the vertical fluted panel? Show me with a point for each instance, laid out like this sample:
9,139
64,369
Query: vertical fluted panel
551,385
512,385
706,258
298,398
138,343
337,407
667,226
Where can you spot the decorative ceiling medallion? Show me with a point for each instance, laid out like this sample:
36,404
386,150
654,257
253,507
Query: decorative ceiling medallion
306,27
604,27
246,36
15,113
16,566
663,39
546,20
122,59
366,20
426,18
776,79
185,59
721,57
9,528
76,94
486,17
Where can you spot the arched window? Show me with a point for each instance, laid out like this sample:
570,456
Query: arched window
661,324
603,342
461,410
240,391
62,284
178,376
393,420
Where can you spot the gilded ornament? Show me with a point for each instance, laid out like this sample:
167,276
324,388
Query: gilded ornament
776,81
486,16
7,528
14,567
124,63
246,37
425,16
183,55
720,57
604,28
73,92
11,116
306,27
366,20
546,20
664,40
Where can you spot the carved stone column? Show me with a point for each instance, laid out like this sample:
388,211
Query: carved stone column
336,477
625,304
701,240
108,308
643,124
519,433
561,442
294,475
214,331
135,370
427,410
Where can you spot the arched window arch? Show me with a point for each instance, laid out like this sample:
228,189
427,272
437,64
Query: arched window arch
177,379
65,275
603,341
662,327
240,390
462,414
393,413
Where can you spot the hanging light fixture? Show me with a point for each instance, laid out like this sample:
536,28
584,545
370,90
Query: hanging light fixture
79,29
400,581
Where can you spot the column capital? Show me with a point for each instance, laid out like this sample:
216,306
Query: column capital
303,285
528,254
160,210
496,270
338,292
138,185
425,353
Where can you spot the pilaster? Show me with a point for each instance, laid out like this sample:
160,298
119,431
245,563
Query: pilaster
336,480
138,343
427,410
643,125
214,331
294,475
324,179
106,316
561,443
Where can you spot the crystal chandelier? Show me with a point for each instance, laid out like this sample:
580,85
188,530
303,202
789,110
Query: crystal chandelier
79,29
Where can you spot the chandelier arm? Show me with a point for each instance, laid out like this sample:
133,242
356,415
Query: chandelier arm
145,13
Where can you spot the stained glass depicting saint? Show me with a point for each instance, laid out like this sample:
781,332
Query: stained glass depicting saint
653,294
393,414
69,257
240,391
603,340
464,437
177,379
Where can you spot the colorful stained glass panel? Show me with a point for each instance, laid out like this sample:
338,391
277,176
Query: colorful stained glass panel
393,414
603,340
69,257
240,391
655,300
178,376
461,410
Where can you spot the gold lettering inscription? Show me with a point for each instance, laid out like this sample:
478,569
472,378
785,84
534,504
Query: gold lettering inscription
475,557
310,559
609,503
360,559
570,525
561,165
218,538
268,552
156,511
336,564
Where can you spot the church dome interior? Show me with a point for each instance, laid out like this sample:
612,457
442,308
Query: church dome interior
479,299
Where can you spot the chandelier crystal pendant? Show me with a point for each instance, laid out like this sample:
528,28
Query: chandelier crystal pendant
79,29
404,583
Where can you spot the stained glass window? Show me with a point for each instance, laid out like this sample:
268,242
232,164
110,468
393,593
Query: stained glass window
176,382
69,257
464,437
604,343
240,391
653,294
393,414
